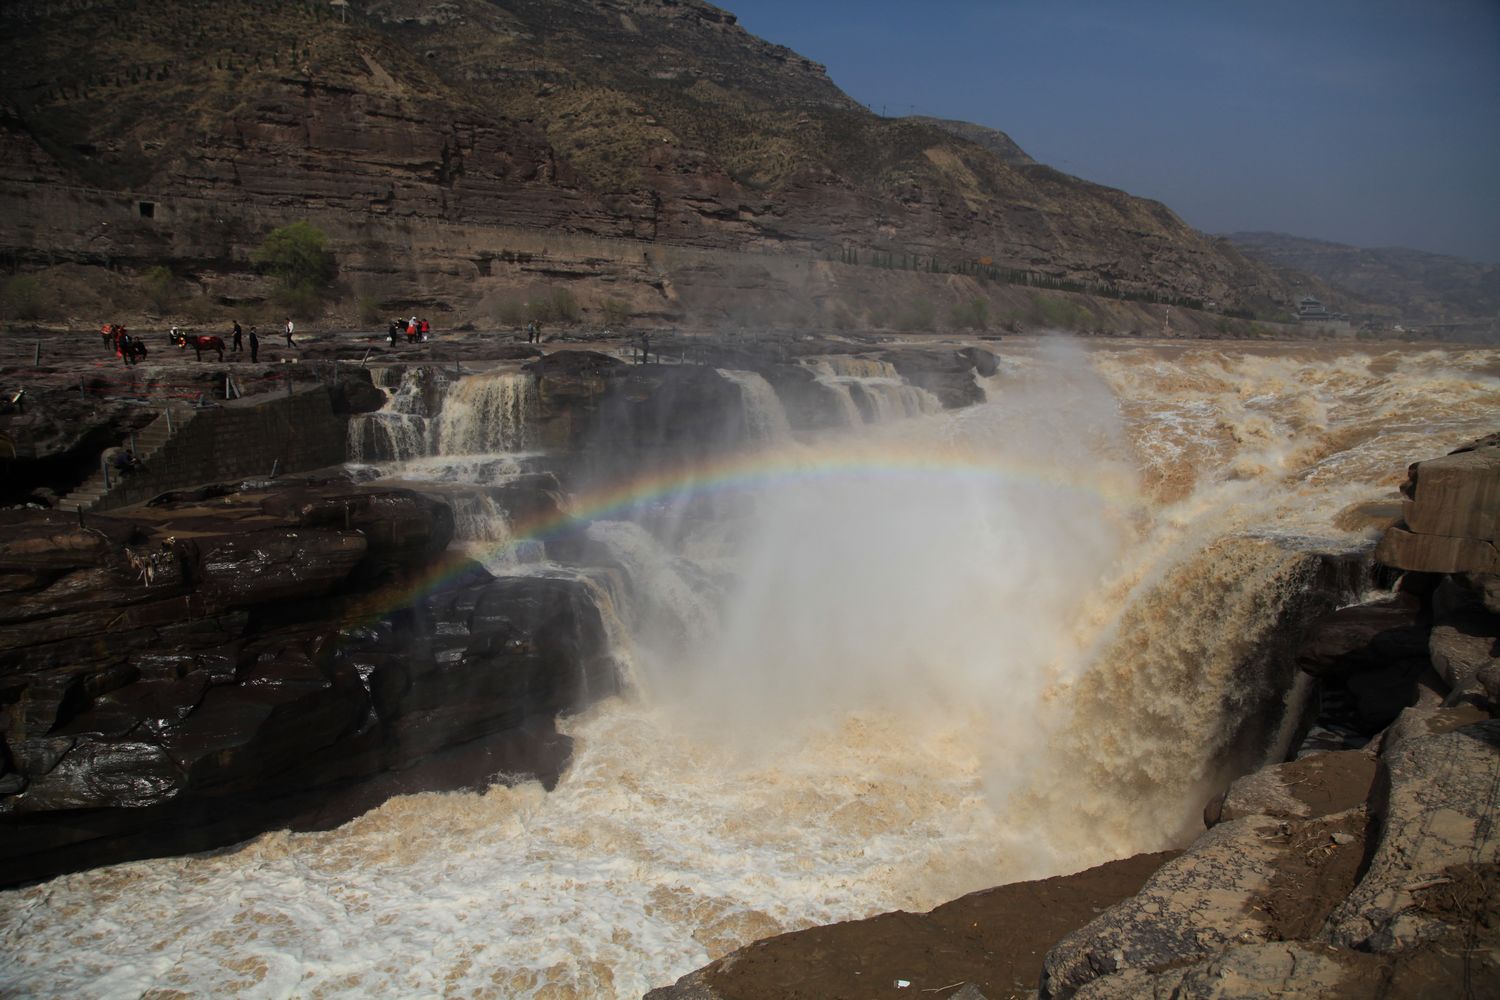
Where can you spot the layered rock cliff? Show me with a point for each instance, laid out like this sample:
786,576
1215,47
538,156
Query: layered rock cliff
217,664
651,152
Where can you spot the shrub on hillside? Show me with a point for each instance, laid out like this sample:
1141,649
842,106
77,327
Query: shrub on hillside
615,312
971,315
297,256
557,305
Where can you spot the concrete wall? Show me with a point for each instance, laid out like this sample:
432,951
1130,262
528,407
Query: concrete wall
243,439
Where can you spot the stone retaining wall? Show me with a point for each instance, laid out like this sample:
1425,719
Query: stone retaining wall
241,440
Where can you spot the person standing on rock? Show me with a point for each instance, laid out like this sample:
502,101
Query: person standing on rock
289,329
531,333
238,346
254,345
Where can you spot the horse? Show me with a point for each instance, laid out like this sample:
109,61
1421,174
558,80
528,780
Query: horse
131,350
200,343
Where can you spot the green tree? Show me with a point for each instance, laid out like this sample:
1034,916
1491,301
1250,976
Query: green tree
297,256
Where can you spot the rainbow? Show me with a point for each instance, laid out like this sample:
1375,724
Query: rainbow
790,464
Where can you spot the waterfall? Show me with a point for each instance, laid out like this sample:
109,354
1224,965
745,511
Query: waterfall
871,391
765,418
400,430
492,412
667,603
931,656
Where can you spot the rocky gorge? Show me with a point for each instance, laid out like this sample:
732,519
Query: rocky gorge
188,664
1354,872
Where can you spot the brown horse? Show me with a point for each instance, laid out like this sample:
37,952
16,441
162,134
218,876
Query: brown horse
133,351
200,343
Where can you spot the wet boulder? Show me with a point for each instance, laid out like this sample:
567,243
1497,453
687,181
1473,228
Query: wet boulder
947,374
275,564
99,772
354,392
399,526
1451,516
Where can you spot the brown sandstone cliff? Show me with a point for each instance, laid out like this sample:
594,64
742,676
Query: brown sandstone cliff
648,151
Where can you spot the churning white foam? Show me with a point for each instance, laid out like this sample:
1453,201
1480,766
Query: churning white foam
913,685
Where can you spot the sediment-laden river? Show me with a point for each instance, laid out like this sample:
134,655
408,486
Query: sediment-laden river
872,668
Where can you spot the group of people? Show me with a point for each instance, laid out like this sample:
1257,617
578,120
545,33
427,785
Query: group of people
132,349
237,341
127,348
414,330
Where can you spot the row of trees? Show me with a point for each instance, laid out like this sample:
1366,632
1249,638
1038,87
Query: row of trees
985,269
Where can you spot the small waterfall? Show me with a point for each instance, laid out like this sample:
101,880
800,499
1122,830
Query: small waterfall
872,391
400,430
892,399
849,366
765,418
667,602
487,413
477,517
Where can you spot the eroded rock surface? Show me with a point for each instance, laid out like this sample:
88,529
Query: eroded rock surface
209,667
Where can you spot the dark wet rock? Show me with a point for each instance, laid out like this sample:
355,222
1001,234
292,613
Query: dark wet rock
49,542
399,526
1465,637
1374,654
626,414
273,677
100,772
809,404
561,365
947,374
354,392
513,352
276,564
984,362
1365,637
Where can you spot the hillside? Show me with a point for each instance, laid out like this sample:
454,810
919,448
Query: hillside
1400,285
647,151
994,140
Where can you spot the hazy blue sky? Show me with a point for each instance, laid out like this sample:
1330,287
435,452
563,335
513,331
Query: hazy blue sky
1371,122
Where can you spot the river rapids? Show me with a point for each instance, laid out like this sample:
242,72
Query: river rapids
930,653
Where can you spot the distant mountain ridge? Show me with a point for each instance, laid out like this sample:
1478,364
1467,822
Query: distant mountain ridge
1397,284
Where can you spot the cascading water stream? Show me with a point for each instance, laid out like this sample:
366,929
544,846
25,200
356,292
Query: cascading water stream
871,391
492,412
399,431
991,644
765,417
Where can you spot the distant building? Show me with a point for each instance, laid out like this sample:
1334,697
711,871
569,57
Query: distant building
1310,310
